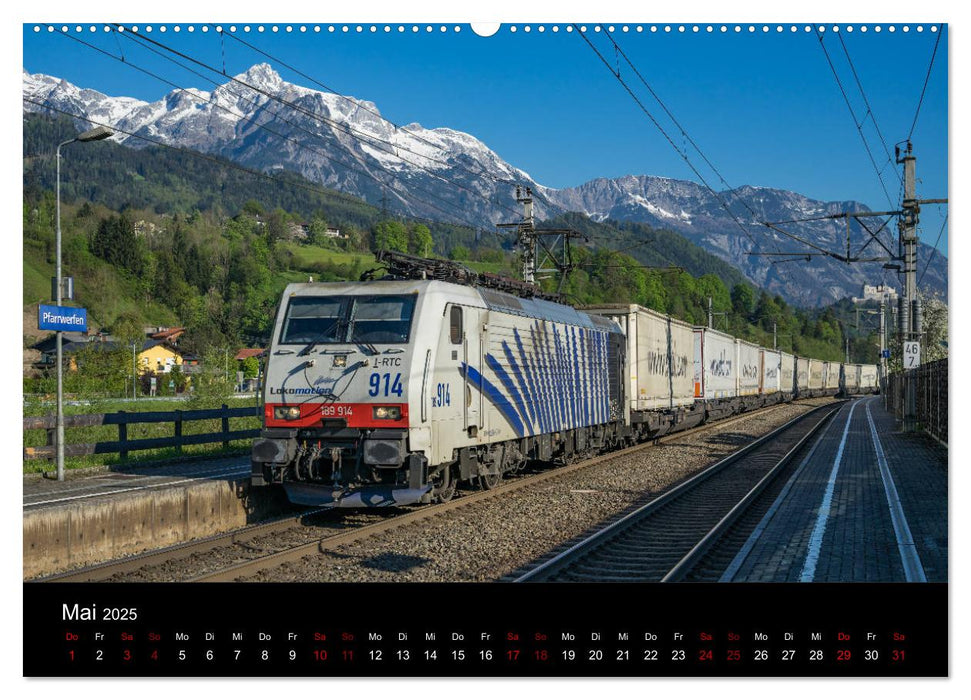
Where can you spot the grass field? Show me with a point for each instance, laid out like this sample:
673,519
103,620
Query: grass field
306,255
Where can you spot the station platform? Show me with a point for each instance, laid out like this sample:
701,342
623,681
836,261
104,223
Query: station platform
94,516
86,484
866,503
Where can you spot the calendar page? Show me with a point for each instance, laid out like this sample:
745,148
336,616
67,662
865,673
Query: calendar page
525,349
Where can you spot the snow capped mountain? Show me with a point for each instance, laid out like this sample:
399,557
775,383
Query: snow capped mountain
730,225
264,122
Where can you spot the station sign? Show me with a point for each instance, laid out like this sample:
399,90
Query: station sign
62,318
911,354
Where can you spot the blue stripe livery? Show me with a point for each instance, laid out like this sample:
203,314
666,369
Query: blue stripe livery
501,402
559,381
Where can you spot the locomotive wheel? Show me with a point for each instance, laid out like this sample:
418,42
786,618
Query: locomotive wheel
487,482
446,489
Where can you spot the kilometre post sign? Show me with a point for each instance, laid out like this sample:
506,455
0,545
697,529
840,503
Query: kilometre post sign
62,318
911,354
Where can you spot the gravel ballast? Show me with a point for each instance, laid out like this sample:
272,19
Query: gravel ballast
486,541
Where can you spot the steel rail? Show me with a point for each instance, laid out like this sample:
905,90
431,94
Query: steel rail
691,559
328,544
105,570
615,527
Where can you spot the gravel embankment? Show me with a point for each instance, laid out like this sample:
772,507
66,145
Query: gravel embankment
485,541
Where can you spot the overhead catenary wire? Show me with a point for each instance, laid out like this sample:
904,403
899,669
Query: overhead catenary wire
869,109
664,133
263,126
687,137
923,90
290,182
481,173
684,132
934,251
856,122
368,139
365,107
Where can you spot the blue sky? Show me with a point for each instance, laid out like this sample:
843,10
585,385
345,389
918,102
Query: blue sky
764,106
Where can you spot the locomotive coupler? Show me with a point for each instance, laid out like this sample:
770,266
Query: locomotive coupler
335,460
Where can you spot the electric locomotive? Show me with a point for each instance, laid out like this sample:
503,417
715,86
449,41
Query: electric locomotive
388,393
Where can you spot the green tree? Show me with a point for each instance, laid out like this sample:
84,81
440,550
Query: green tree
460,252
318,232
115,242
743,299
391,235
211,385
250,367
253,208
420,241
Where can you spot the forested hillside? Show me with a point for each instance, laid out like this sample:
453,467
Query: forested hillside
161,236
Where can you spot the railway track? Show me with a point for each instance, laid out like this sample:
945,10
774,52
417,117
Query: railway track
383,522
665,539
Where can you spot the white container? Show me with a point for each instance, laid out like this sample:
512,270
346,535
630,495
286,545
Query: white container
832,376
660,353
802,374
815,375
787,372
716,365
868,377
749,368
771,371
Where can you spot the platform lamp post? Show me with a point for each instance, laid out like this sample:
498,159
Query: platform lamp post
96,134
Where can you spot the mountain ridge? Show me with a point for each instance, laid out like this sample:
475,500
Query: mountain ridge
342,143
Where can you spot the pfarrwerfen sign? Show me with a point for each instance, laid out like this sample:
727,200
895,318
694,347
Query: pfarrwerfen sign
62,318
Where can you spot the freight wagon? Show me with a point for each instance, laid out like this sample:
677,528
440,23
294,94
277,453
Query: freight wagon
716,372
802,377
816,368
749,361
660,352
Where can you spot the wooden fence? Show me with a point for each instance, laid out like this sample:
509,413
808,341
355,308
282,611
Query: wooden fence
123,419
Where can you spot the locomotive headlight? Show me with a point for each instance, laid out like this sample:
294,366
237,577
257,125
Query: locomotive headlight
286,412
387,412
340,360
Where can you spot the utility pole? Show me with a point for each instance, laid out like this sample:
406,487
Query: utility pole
883,340
907,226
134,372
775,335
710,319
96,134
528,236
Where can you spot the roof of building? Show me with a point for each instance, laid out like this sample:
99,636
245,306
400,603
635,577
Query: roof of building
250,352
152,343
168,333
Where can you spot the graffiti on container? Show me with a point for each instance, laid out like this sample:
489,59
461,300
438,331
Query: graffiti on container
657,364
679,365
750,371
721,367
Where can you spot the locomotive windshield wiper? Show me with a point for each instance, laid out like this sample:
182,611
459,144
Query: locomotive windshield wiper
321,337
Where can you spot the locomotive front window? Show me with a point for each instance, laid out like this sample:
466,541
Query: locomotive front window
314,320
381,319
348,319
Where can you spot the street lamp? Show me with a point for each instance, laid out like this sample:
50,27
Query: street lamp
96,134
